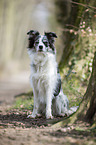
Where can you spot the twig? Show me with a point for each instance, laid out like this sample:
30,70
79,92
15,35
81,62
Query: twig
72,26
84,5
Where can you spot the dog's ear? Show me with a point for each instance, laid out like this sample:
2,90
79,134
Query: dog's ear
50,36
33,33
32,36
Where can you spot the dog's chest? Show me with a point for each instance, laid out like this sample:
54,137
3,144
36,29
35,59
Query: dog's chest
44,74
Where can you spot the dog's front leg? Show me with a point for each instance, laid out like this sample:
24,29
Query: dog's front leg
36,105
48,105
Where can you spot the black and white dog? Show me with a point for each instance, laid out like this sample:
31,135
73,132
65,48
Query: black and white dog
45,78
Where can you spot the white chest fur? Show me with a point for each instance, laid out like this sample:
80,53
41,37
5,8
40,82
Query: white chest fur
43,74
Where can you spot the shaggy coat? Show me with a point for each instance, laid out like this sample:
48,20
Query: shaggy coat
45,79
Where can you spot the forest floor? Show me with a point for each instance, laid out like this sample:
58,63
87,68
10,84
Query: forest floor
17,129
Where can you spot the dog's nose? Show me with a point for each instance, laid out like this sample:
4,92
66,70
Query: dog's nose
40,47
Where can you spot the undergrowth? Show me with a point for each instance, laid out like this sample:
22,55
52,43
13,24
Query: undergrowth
23,102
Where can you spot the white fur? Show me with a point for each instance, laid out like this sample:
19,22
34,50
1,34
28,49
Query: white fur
43,80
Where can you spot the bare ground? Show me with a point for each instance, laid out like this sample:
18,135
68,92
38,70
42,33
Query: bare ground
17,129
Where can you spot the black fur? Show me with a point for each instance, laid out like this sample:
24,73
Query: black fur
32,36
50,37
50,34
58,85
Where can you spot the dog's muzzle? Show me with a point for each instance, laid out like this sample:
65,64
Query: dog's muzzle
40,48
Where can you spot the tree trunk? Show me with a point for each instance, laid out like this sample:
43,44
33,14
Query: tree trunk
87,110
91,94
67,15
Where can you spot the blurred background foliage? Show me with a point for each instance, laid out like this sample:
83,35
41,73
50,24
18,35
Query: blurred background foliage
17,17
78,23
74,22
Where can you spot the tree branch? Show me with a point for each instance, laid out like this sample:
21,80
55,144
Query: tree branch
84,5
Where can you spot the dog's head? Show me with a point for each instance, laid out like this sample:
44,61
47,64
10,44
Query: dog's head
42,43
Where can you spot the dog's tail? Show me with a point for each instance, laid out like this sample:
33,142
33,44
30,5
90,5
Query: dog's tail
72,110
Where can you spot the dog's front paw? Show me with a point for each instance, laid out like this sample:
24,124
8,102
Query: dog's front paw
49,117
34,116
31,116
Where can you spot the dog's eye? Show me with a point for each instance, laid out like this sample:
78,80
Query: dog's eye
46,43
37,42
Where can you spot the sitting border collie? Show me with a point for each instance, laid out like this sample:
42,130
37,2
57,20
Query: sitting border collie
45,78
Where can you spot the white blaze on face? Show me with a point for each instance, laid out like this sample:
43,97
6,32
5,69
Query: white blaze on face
40,46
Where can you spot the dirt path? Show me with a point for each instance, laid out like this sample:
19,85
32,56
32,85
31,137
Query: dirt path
17,129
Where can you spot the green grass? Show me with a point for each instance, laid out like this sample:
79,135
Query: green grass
23,102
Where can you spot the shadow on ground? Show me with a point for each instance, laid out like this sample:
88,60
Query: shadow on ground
16,118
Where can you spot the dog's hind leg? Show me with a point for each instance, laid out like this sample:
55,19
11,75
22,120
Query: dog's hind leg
62,104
